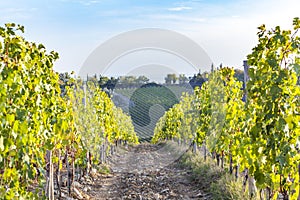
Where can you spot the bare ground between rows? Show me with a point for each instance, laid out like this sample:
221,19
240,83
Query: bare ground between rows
147,171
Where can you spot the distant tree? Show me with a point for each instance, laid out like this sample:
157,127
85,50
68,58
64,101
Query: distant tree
171,78
239,74
122,81
132,81
64,77
198,80
63,81
212,68
174,78
205,75
111,83
127,81
168,79
102,82
142,80
92,78
182,79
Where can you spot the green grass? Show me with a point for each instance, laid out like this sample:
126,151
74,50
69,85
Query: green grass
103,169
213,180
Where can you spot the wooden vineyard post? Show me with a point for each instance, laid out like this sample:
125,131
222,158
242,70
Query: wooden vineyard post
87,163
204,146
126,144
237,171
101,153
47,178
105,150
69,173
222,160
299,179
246,76
51,178
218,159
251,181
58,177
111,148
230,165
116,146
50,184
78,177
73,167
194,147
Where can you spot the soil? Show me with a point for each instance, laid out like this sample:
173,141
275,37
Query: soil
146,171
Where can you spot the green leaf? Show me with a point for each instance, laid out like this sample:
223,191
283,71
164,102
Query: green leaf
1,143
10,118
296,67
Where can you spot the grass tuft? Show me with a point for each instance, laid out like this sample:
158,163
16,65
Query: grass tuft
212,179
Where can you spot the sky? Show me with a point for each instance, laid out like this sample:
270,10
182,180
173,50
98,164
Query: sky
226,30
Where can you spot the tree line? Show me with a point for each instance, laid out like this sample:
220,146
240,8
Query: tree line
110,83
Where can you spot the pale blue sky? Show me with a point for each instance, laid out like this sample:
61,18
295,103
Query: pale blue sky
226,30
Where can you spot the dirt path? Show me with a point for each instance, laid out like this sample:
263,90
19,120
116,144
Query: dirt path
146,172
